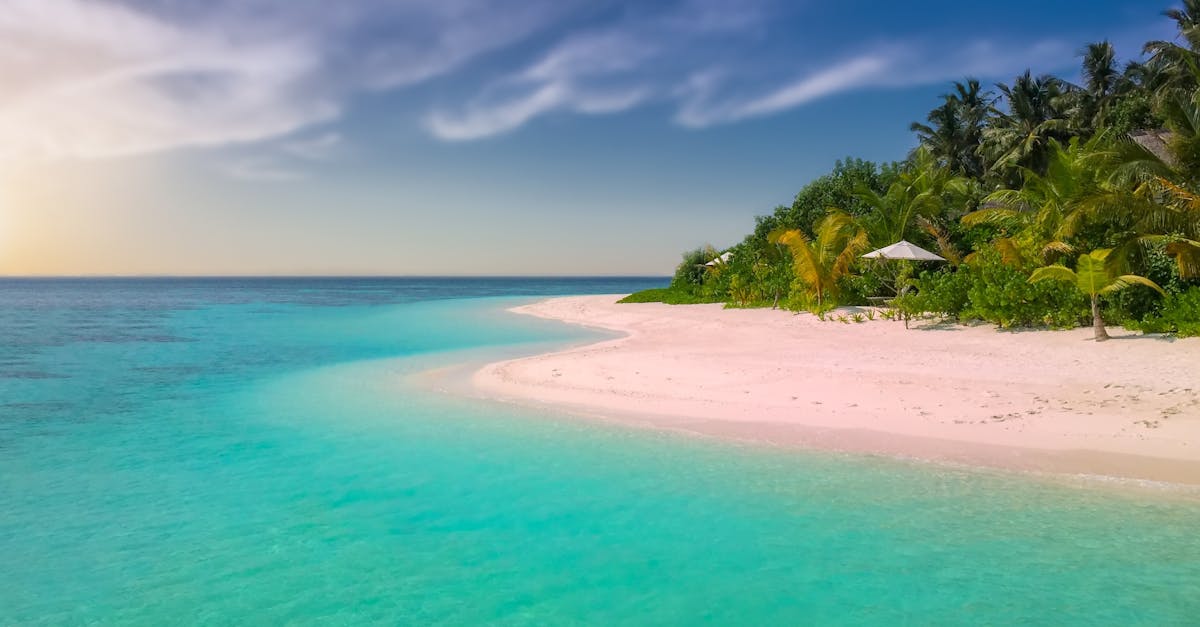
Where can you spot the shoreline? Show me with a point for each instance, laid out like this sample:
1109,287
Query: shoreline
1046,402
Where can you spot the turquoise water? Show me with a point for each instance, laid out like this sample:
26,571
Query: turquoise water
230,452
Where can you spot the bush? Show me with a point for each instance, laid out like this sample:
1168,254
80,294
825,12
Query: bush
800,299
855,288
668,295
691,270
1133,305
1002,294
988,289
1180,314
946,293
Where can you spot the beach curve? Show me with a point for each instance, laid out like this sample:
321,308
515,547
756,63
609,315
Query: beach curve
1049,401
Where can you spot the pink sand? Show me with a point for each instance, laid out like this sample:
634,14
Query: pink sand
1042,400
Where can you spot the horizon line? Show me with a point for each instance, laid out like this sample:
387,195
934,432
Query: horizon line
334,276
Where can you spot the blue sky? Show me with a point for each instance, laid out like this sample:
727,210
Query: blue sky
468,137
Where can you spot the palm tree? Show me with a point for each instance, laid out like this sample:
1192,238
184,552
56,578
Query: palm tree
1048,211
943,136
1100,71
1179,218
820,262
1018,135
1094,276
1102,80
955,128
923,189
1180,64
1154,198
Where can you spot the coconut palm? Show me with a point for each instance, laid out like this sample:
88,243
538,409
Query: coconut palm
1153,196
821,261
955,128
1047,212
924,188
1088,105
1018,135
1179,64
1178,218
1094,276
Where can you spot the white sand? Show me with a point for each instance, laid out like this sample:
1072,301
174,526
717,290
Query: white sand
1043,400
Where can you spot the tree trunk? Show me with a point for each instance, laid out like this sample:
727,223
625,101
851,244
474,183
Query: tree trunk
775,303
1097,321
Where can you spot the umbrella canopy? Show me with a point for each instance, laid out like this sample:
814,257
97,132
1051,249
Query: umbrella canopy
724,258
903,250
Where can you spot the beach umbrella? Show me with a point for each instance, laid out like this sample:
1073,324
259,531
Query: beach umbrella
724,258
903,250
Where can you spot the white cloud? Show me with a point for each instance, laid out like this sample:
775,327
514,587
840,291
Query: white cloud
560,80
97,78
94,79
499,117
703,57
605,70
103,78
431,38
698,111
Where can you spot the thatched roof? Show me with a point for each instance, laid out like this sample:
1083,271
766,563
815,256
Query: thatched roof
1155,140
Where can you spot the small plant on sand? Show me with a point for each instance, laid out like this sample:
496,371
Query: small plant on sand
859,318
821,316
871,315
1095,276
843,319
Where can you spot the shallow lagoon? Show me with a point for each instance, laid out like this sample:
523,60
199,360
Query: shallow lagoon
225,450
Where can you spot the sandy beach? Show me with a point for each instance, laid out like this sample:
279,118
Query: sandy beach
1050,401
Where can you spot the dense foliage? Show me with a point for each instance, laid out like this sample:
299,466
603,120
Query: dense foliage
1037,178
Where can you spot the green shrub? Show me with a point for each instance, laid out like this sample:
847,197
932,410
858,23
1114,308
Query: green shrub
691,271
1002,294
1180,314
946,293
668,295
855,288
990,290
1133,305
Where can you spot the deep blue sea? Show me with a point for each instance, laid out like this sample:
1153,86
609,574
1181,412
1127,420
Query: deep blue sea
254,451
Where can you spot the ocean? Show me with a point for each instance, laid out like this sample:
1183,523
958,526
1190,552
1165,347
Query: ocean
262,451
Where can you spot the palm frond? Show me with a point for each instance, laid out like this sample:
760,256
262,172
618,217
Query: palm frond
1129,280
1000,216
1053,273
1186,253
1010,253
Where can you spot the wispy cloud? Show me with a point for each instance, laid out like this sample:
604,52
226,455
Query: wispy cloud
703,58
563,79
92,79
99,78
599,70
102,78
698,108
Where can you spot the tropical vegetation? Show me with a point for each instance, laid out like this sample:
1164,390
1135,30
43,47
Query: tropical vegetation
1095,183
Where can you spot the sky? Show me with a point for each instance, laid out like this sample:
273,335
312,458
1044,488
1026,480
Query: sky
469,137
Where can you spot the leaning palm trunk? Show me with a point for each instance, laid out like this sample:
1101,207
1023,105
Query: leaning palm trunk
1094,276
1097,320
